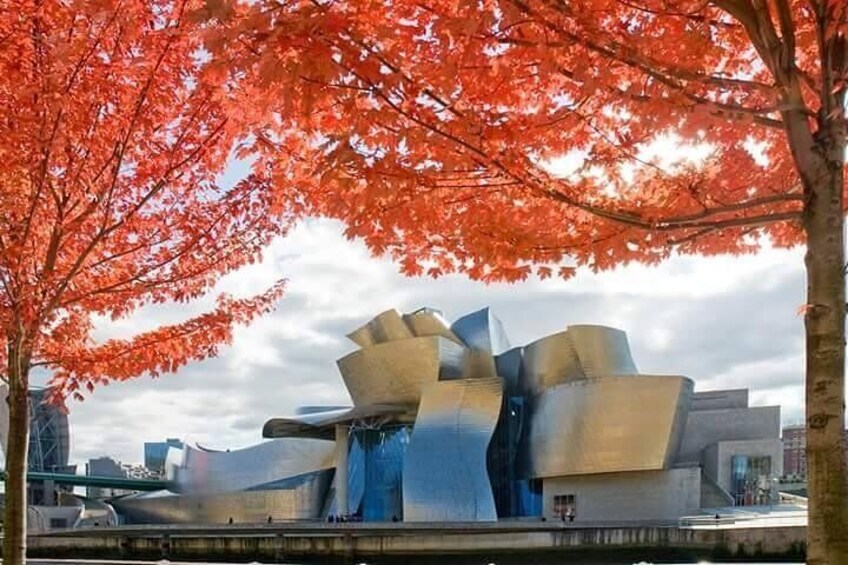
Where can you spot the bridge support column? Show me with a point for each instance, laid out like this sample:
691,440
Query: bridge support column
49,493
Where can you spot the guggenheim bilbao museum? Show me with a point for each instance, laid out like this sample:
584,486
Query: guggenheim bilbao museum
450,422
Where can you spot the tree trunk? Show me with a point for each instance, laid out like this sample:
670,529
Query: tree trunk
14,515
827,531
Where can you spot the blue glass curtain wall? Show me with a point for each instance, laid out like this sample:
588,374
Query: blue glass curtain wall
514,495
381,471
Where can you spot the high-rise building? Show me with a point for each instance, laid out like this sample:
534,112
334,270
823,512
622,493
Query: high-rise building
155,453
49,439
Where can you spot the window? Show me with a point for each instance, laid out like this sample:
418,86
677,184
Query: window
58,523
565,505
751,480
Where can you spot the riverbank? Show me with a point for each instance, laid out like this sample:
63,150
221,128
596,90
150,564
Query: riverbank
378,543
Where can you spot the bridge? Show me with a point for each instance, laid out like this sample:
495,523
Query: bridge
95,481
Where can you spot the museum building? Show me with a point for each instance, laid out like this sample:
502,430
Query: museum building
450,423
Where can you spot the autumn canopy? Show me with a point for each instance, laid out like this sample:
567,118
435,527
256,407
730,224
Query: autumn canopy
434,129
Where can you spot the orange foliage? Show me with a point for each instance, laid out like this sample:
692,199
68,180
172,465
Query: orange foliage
432,127
113,134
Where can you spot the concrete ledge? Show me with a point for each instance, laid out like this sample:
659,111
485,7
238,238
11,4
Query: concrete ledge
343,542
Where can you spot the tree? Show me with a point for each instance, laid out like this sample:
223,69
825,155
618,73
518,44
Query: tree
437,130
112,138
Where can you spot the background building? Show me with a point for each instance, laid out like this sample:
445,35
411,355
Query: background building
155,453
104,467
49,442
795,452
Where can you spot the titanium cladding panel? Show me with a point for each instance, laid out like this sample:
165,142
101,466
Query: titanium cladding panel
395,372
444,472
302,500
209,472
388,326
320,425
607,425
577,353
602,350
482,330
550,361
426,322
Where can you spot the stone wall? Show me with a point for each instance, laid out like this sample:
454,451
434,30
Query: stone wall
704,427
647,495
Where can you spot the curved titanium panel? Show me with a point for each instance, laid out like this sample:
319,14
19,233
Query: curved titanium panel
602,350
427,321
388,326
550,361
298,498
211,472
607,425
395,372
482,330
321,425
444,472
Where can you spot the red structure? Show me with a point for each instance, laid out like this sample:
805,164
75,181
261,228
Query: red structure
794,452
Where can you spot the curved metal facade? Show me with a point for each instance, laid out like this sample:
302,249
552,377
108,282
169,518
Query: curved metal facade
580,352
298,498
444,472
425,322
388,326
602,350
483,331
550,361
607,425
212,472
320,424
395,372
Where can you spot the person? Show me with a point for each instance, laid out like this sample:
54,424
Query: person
570,514
270,520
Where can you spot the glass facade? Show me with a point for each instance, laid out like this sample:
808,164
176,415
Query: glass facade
156,452
376,471
750,479
514,495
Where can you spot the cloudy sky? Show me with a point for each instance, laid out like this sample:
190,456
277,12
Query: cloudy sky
725,322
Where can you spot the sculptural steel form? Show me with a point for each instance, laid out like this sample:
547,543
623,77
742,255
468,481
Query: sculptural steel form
444,472
449,423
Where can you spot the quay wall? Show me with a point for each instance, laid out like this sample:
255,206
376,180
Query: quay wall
344,543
